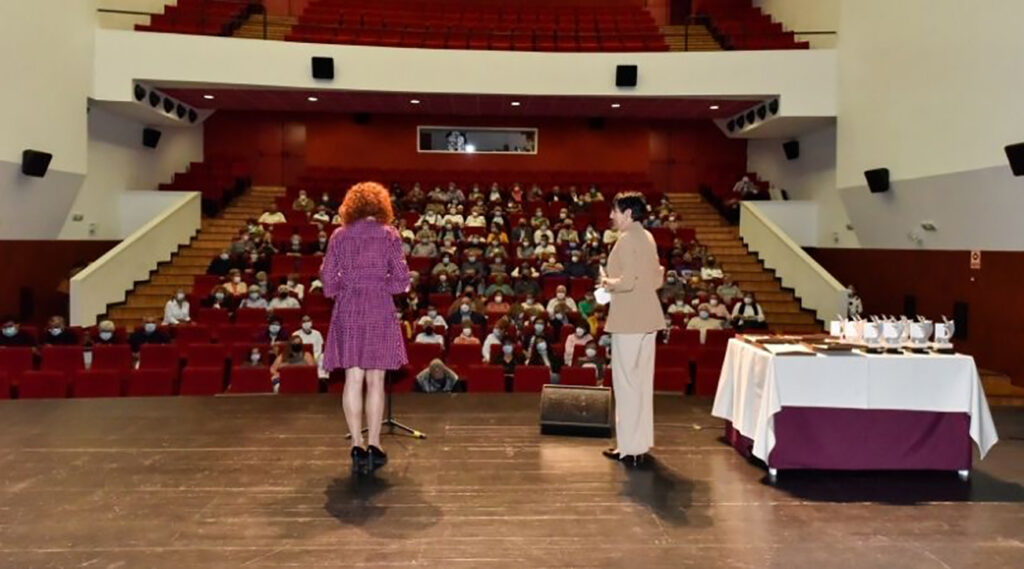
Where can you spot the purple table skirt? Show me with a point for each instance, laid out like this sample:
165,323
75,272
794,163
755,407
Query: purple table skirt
864,439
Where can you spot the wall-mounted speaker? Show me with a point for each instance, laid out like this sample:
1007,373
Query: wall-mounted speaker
140,93
35,163
1015,154
361,118
193,116
792,149
740,121
731,125
181,111
762,112
595,123
960,320
150,137
909,305
773,106
878,180
168,105
625,75
154,99
323,67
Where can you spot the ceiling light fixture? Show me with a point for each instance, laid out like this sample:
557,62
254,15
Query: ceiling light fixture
208,97
415,101
616,105
312,99
713,107
515,103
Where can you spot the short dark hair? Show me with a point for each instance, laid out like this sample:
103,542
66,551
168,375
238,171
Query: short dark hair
633,202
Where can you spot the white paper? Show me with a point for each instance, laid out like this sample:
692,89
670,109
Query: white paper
776,349
602,296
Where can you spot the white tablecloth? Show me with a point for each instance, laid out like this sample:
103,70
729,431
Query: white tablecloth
755,385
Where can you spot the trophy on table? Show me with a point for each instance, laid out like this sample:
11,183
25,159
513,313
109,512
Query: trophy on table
920,331
893,331
943,336
871,335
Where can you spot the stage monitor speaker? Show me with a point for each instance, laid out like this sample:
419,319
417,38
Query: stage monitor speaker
878,180
323,67
35,163
1015,154
595,123
792,149
361,118
625,75
909,305
960,320
576,410
150,137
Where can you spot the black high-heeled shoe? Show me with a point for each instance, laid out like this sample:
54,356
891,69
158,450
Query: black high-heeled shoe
634,460
612,454
377,457
360,460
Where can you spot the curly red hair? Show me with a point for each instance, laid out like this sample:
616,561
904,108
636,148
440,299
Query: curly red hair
367,199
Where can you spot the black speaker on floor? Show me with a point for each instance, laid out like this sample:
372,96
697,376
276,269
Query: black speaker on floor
323,67
792,149
576,410
361,118
595,123
878,180
35,163
909,305
1015,154
150,137
625,75
960,320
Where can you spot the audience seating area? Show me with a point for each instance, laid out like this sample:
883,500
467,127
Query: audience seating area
742,26
219,180
200,17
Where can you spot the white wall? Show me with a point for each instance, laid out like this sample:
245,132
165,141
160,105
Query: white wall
806,16
797,219
128,21
811,177
47,48
118,163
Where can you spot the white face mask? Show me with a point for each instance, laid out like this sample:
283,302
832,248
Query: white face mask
307,326
561,295
224,256
255,358
704,314
542,347
538,328
713,302
471,259
580,332
10,331
506,349
274,328
106,336
591,352
497,299
180,296
219,296
467,332
236,280
149,328
432,313
748,300
254,295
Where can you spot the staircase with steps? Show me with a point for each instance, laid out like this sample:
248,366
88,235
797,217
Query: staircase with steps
694,37
216,233
781,307
277,27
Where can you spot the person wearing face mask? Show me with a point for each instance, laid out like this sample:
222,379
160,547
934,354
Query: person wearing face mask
272,216
579,337
495,338
432,318
273,333
106,335
321,218
462,311
429,335
284,299
255,262
295,247
525,248
525,283
577,267
592,357
543,234
254,359
310,336
704,321
254,299
499,286
295,287
561,297
12,336
728,290
466,337
177,309
680,306
717,309
541,353
234,285
221,265
474,263
634,319
552,268
303,204
498,305
148,333
748,314
294,355
425,248
544,249
567,235
446,266
443,284
674,287
711,271
219,299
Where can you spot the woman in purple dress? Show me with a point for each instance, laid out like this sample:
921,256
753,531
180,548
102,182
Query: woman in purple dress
363,269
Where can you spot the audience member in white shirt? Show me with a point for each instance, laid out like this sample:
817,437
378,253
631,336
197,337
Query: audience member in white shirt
561,297
176,311
429,336
272,217
748,314
432,318
283,299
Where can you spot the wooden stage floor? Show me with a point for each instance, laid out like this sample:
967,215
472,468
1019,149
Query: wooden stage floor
263,482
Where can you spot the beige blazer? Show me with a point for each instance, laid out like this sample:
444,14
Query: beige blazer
635,276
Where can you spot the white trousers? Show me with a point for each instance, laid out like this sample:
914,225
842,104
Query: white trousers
633,382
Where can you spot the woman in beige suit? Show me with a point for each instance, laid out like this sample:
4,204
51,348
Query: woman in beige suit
634,319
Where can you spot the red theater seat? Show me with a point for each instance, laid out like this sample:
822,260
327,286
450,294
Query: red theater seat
14,362
111,358
150,382
5,385
250,380
43,385
709,367
299,379
578,376
464,354
66,359
673,379
530,378
207,355
98,383
202,380
484,379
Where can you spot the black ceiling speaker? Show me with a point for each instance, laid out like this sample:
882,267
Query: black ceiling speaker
878,180
361,118
750,116
625,75
323,68
792,149
140,93
150,137
181,111
35,163
773,106
731,125
193,116
762,112
1015,154
154,99
595,123
959,320
168,105
740,122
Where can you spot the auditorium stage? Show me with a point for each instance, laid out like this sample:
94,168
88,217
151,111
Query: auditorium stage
263,481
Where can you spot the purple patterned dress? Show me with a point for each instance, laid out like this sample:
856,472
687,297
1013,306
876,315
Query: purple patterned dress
363,269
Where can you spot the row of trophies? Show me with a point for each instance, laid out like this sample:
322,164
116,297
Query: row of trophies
889,333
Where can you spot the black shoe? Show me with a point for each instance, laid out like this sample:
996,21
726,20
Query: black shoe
377,458
634,460
360,460
612,454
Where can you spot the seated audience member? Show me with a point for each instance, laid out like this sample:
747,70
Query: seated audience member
429,336
238,248
551,267
412,301
255,262
438,378
586,306
425,248
148,333
526,286
561,297
322,217
316,286
673,223
673,288
453,218
452,233
497,305
449,247
254,230
272,216
594,195
295,287
295,247
470,283
539,353
403,230
704,321
474,263
745,188
284,299
679,306
432,318
535,194
556,195
495,338
219,299
543,234
404,324
455,194
310,336
717,309
497,236
445,266
177,310
580,337
255,359
234,285
711,271
106,335
728,290
429,220
303,204
610,236
466,337
561,317
592,358
748,314
494,194
12,336
221,265
537,221
499,286
273,333
294,355
577,267
568,235
443,285
476,218
517,194
520,231
463,310
58,334
544,249
414,199
671,330
254,299
475,195
530,305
